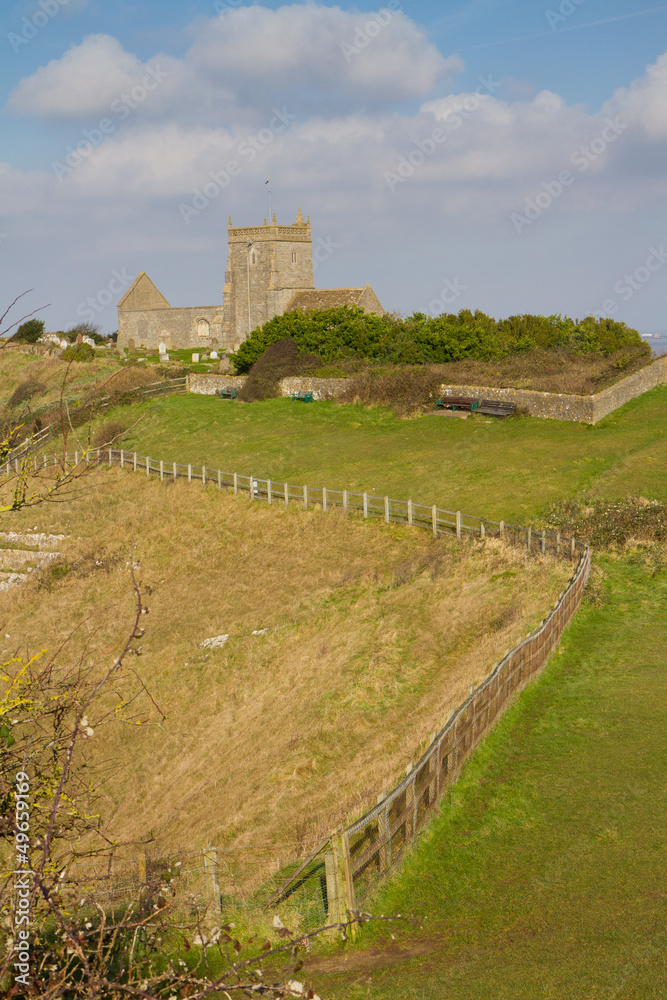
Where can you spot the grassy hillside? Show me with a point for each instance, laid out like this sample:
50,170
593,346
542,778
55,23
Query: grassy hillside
512,469
544,875
348,644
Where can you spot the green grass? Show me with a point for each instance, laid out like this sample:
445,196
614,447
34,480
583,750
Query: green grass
545,874
510,469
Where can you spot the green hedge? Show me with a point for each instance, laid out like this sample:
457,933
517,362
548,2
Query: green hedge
349,332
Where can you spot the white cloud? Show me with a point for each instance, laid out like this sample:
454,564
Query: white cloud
317,58
645,102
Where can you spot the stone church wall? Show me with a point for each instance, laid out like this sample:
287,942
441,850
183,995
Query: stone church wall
177,328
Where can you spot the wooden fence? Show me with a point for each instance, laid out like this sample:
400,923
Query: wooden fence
338,875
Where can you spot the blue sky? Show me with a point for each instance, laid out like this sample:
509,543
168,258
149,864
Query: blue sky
519,92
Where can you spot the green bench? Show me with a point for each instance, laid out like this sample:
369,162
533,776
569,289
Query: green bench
304,397
229,392
457,403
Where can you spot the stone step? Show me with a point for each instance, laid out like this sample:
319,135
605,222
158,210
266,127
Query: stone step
37,540
13,559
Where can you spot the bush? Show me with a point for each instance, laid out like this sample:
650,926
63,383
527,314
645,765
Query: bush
25,391
78,352
110,434
407,391
348,332
29,332
280,360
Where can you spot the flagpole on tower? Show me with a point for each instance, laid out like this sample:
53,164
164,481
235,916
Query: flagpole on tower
268,182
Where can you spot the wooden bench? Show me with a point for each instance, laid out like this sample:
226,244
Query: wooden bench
229,392
304,397
496,408
457,403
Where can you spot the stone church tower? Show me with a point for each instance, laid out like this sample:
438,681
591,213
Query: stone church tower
269,272
266,266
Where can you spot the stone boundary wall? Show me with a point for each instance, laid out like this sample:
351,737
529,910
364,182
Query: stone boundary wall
634,385
321,388
548,405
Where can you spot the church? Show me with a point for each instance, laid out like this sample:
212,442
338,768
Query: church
269,272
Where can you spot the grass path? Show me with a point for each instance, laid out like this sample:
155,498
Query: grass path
545,876
505,469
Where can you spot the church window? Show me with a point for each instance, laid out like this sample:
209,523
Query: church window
294,256
203,328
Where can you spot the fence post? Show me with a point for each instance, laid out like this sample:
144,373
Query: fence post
286,494
122,458
384,854
268,490
219,479
76,458
305,498
386,509
482,530
558,543
161,471
211,869
141,869
148,467
573,546
434,518
175,473
236,483
109,457
543,542
530,539
189,473
410,512
334,915
252,496
135,461
203,475
345,886
410,808
324,498
365,504
458,525
345,501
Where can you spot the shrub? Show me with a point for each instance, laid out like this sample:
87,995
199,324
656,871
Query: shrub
29,332
348,332
110,433
25,391
407,391
78,352
280,360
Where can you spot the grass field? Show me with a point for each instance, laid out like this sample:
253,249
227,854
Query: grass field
545,875
348,644
512,469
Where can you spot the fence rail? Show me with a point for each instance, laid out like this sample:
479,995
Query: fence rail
339,874
429,517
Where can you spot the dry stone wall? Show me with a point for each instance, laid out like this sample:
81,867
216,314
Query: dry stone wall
549,405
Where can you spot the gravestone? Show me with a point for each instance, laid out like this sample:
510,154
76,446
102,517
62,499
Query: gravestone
214,355
225,366
195,359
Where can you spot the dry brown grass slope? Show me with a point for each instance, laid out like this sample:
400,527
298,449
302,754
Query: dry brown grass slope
373,634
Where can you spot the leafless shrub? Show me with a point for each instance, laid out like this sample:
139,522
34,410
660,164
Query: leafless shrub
407,391
110,433
280,360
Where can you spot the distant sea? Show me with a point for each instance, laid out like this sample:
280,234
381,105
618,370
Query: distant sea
656,341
